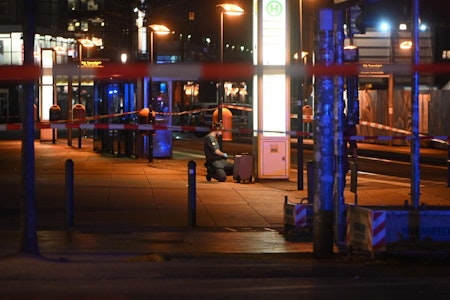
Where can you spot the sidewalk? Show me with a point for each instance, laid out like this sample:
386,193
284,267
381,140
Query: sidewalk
135,206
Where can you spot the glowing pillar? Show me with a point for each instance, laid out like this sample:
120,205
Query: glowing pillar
271,94
47,90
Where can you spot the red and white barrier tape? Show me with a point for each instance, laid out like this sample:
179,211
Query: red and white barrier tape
215,71
112,126
81,123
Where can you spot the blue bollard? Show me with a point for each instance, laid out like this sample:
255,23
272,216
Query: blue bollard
191,194
448,163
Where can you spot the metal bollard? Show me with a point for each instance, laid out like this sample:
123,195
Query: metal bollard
191,194
354,180
150,145
448,163
69,193
310,166
79,138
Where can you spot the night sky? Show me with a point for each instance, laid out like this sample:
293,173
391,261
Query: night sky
175,14
238,30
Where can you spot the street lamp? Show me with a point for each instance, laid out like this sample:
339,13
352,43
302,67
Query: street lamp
87,44
160,30
230,10
83,43
123,58
79,108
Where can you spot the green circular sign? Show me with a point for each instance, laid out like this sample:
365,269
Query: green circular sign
274,8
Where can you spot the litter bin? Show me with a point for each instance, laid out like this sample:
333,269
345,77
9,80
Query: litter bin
146,116
79,115
227,122
55,115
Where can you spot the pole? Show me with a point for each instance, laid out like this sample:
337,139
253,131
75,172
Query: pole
448,162
29,240
79,88
415,139
69,110
80,54
150,103
151,47
324,143
220,88
341,169
79,137
192,194
69,193
150,137
300,161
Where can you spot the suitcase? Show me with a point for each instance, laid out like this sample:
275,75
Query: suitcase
243,167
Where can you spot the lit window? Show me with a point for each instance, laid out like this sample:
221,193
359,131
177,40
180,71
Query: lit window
84,26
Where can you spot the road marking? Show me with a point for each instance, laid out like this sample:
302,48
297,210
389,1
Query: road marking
398,162
391,182
184,153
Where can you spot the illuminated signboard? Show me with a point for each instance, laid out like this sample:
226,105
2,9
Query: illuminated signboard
273,50
372,69
47,60
274,32
271,89
91,64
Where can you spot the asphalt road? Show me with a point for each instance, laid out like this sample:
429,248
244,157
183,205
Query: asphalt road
255,276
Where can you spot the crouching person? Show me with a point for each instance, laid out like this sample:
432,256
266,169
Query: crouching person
217,165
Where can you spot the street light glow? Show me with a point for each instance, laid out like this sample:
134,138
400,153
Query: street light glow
86,43
406,45
231,9
123,58
159,29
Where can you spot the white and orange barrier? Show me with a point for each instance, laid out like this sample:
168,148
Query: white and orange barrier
378,229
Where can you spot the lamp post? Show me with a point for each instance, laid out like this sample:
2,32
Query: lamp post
160,30
231,10
87,44
84,43
81,43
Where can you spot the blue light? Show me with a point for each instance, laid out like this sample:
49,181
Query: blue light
163,87
385,26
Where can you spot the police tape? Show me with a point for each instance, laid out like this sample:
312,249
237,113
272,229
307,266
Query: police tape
187,128
85,124
136,112
217,71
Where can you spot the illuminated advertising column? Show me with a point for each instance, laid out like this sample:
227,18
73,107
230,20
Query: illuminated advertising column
47,90
271,94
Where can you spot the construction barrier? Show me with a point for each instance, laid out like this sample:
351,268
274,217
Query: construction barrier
297,217
380,229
